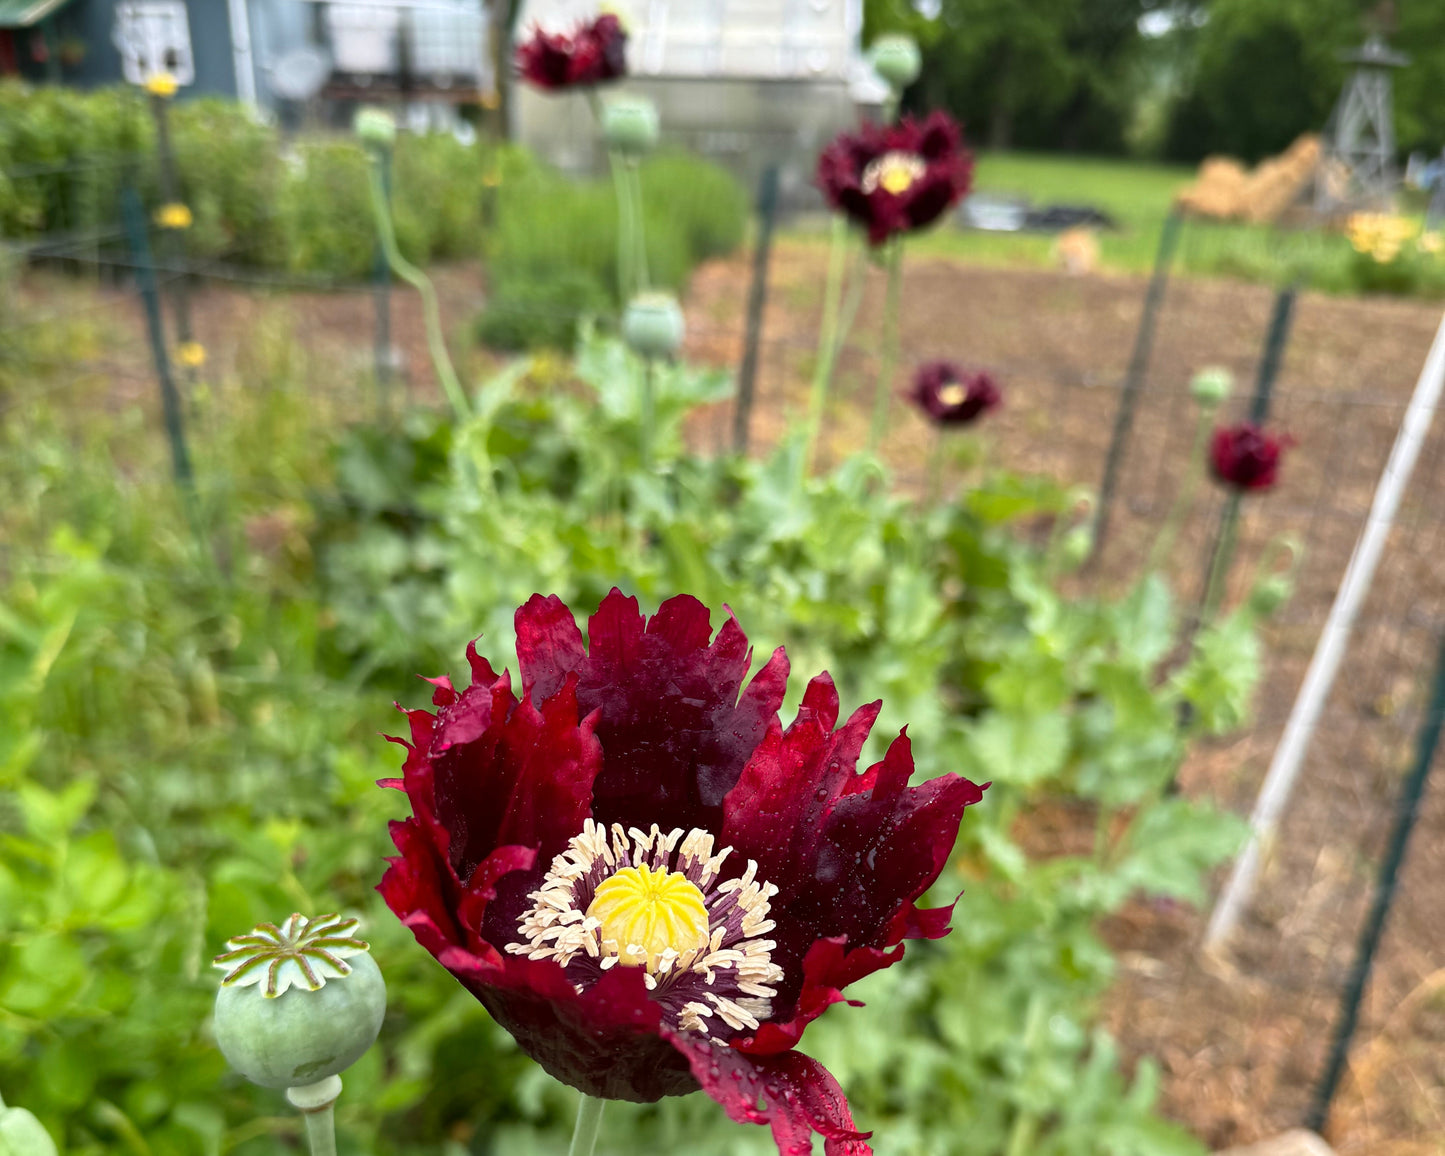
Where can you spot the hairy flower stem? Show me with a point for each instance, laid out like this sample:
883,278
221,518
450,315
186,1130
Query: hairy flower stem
629,217
883,393
626,280
1184,500
834,331
935,472
648,369
436,344
589,1123
1219,563
639,234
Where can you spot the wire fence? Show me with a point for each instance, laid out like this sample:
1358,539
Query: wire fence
1243,1040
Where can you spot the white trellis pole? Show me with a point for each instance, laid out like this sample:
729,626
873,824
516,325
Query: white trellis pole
1330,650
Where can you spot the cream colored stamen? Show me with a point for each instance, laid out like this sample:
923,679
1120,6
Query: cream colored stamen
953,393
653,900
893,172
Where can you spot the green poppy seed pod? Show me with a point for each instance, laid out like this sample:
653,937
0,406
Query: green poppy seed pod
1076,545
1270,593
653,325
1211,387
897,60
300,1002
376,128
21,1134
630,125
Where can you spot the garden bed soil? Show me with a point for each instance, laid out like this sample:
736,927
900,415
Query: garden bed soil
1241,1044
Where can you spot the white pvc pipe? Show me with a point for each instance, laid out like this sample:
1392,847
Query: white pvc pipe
1330,650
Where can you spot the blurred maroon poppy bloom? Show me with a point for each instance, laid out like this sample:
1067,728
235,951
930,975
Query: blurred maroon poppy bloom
646,878
591,54
949,395
895,178
1244,457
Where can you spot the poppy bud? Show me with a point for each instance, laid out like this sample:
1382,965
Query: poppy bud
1211,387
1076,546
376,128
653,325
1270,593
629,125
21,1134
300,1002
897,60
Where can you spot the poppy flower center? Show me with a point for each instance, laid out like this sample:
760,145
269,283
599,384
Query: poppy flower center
952,393
659,902
643,913
894,172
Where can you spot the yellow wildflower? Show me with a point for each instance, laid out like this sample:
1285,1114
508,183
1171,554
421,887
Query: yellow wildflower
162,84
191,354
173,216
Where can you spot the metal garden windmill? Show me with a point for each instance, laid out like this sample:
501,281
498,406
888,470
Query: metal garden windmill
1359,165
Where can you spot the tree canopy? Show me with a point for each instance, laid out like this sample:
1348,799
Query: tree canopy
1241,77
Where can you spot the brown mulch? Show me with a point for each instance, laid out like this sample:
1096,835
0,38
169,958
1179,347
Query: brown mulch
1241,1048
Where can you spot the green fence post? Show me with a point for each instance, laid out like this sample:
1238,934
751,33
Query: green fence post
135,231
1134,377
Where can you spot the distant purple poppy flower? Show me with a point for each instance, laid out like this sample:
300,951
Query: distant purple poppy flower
949,395
1244,457
896,178
591,54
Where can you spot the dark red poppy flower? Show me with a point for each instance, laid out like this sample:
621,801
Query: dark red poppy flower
591,54
1244,457
892,179
646,878
949,395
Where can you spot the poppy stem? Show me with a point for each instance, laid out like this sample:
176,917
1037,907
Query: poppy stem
834,331
1184,501
639,233
625,278
589,1123
622,188
431,312
316,1103
935,471
648,365
883,394
1219,563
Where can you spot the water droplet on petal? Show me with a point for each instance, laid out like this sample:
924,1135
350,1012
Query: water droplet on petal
820,794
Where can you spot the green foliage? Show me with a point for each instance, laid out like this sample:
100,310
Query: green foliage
253,202
189,743
1264,71
552,254
1056,74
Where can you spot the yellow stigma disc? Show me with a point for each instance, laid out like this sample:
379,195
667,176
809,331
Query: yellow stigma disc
640,908
893,172
953,394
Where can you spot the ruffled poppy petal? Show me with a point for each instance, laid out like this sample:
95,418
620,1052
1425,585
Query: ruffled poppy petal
606,1042
508,772
792,1093
849,853
549,645
673,719
827,969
